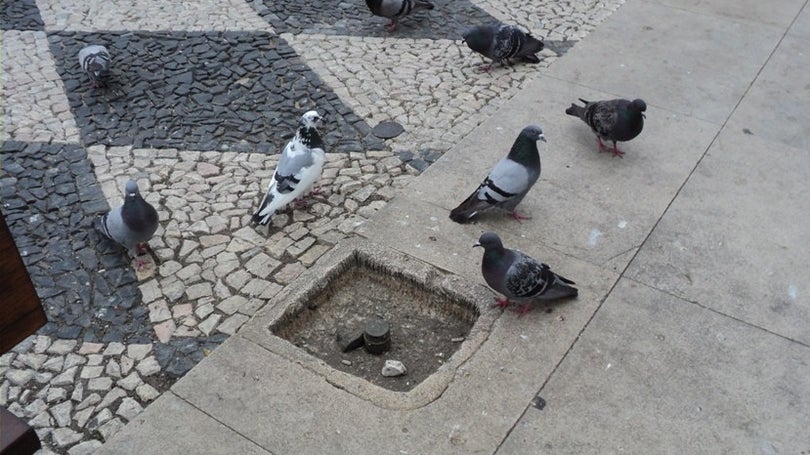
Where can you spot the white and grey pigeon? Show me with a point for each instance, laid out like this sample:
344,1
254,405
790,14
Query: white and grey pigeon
298,169
616,120
508,182
95,61
518,277
131,224
502,42
394,10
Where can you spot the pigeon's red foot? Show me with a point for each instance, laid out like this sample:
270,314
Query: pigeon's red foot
391,26
142,263
501,303
617,152
141,248
519,216
522,309
600,145
299,203
485,68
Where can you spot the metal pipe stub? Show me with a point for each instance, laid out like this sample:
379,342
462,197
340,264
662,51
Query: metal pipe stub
377,335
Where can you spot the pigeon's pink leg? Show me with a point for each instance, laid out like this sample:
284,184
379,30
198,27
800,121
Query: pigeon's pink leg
522,309
391,26
519,216
600,144
501,303
616,151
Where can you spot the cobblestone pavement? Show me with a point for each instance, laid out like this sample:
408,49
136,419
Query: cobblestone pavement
204,96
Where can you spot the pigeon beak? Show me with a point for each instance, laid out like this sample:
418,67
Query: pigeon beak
476,244
543,138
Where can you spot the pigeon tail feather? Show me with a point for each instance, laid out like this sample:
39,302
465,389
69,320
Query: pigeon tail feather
576,111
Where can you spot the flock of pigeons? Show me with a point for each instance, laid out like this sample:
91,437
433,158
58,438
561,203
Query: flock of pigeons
513,274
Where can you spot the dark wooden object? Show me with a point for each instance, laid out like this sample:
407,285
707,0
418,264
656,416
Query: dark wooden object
21,314
16,437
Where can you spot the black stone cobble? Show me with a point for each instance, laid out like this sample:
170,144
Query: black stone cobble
87,287
352,18
209,91
20,15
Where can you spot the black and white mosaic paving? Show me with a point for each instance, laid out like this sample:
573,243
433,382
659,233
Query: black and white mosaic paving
223,91
20,15
447,20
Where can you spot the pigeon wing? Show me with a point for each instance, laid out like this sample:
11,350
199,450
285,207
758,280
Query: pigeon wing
526,277
294,160
602,117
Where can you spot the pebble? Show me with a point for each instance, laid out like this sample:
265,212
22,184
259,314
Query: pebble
393,368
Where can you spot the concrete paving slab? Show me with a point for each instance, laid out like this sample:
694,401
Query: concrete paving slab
691,63
735,239
779,12
655,374
801,27
778,104
172,426
588,205
301,412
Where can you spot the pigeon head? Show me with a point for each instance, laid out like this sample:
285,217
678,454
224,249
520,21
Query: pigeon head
131,189
534,133
310,119
479,38
639,105
489,240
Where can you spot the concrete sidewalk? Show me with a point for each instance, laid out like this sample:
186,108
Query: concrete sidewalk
692,330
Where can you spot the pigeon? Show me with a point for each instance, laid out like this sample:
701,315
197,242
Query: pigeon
131,224
298,169
508,182
612,120
395,10
95,61
519,277
501,42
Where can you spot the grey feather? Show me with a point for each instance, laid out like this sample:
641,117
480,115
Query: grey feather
394,10
133,222
95,60
502,42
617,120
519,277
509,181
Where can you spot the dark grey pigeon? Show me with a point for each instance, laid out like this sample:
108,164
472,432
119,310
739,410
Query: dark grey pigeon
95,61
394,10
501,42
519,277
131,224
616,120
508,182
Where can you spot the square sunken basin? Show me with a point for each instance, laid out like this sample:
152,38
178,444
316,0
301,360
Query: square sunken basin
437,321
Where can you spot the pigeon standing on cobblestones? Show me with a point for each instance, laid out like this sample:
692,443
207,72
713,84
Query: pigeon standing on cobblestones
131,224
95,61
394,10
501,42
508,182
519,277
298,169
612,120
